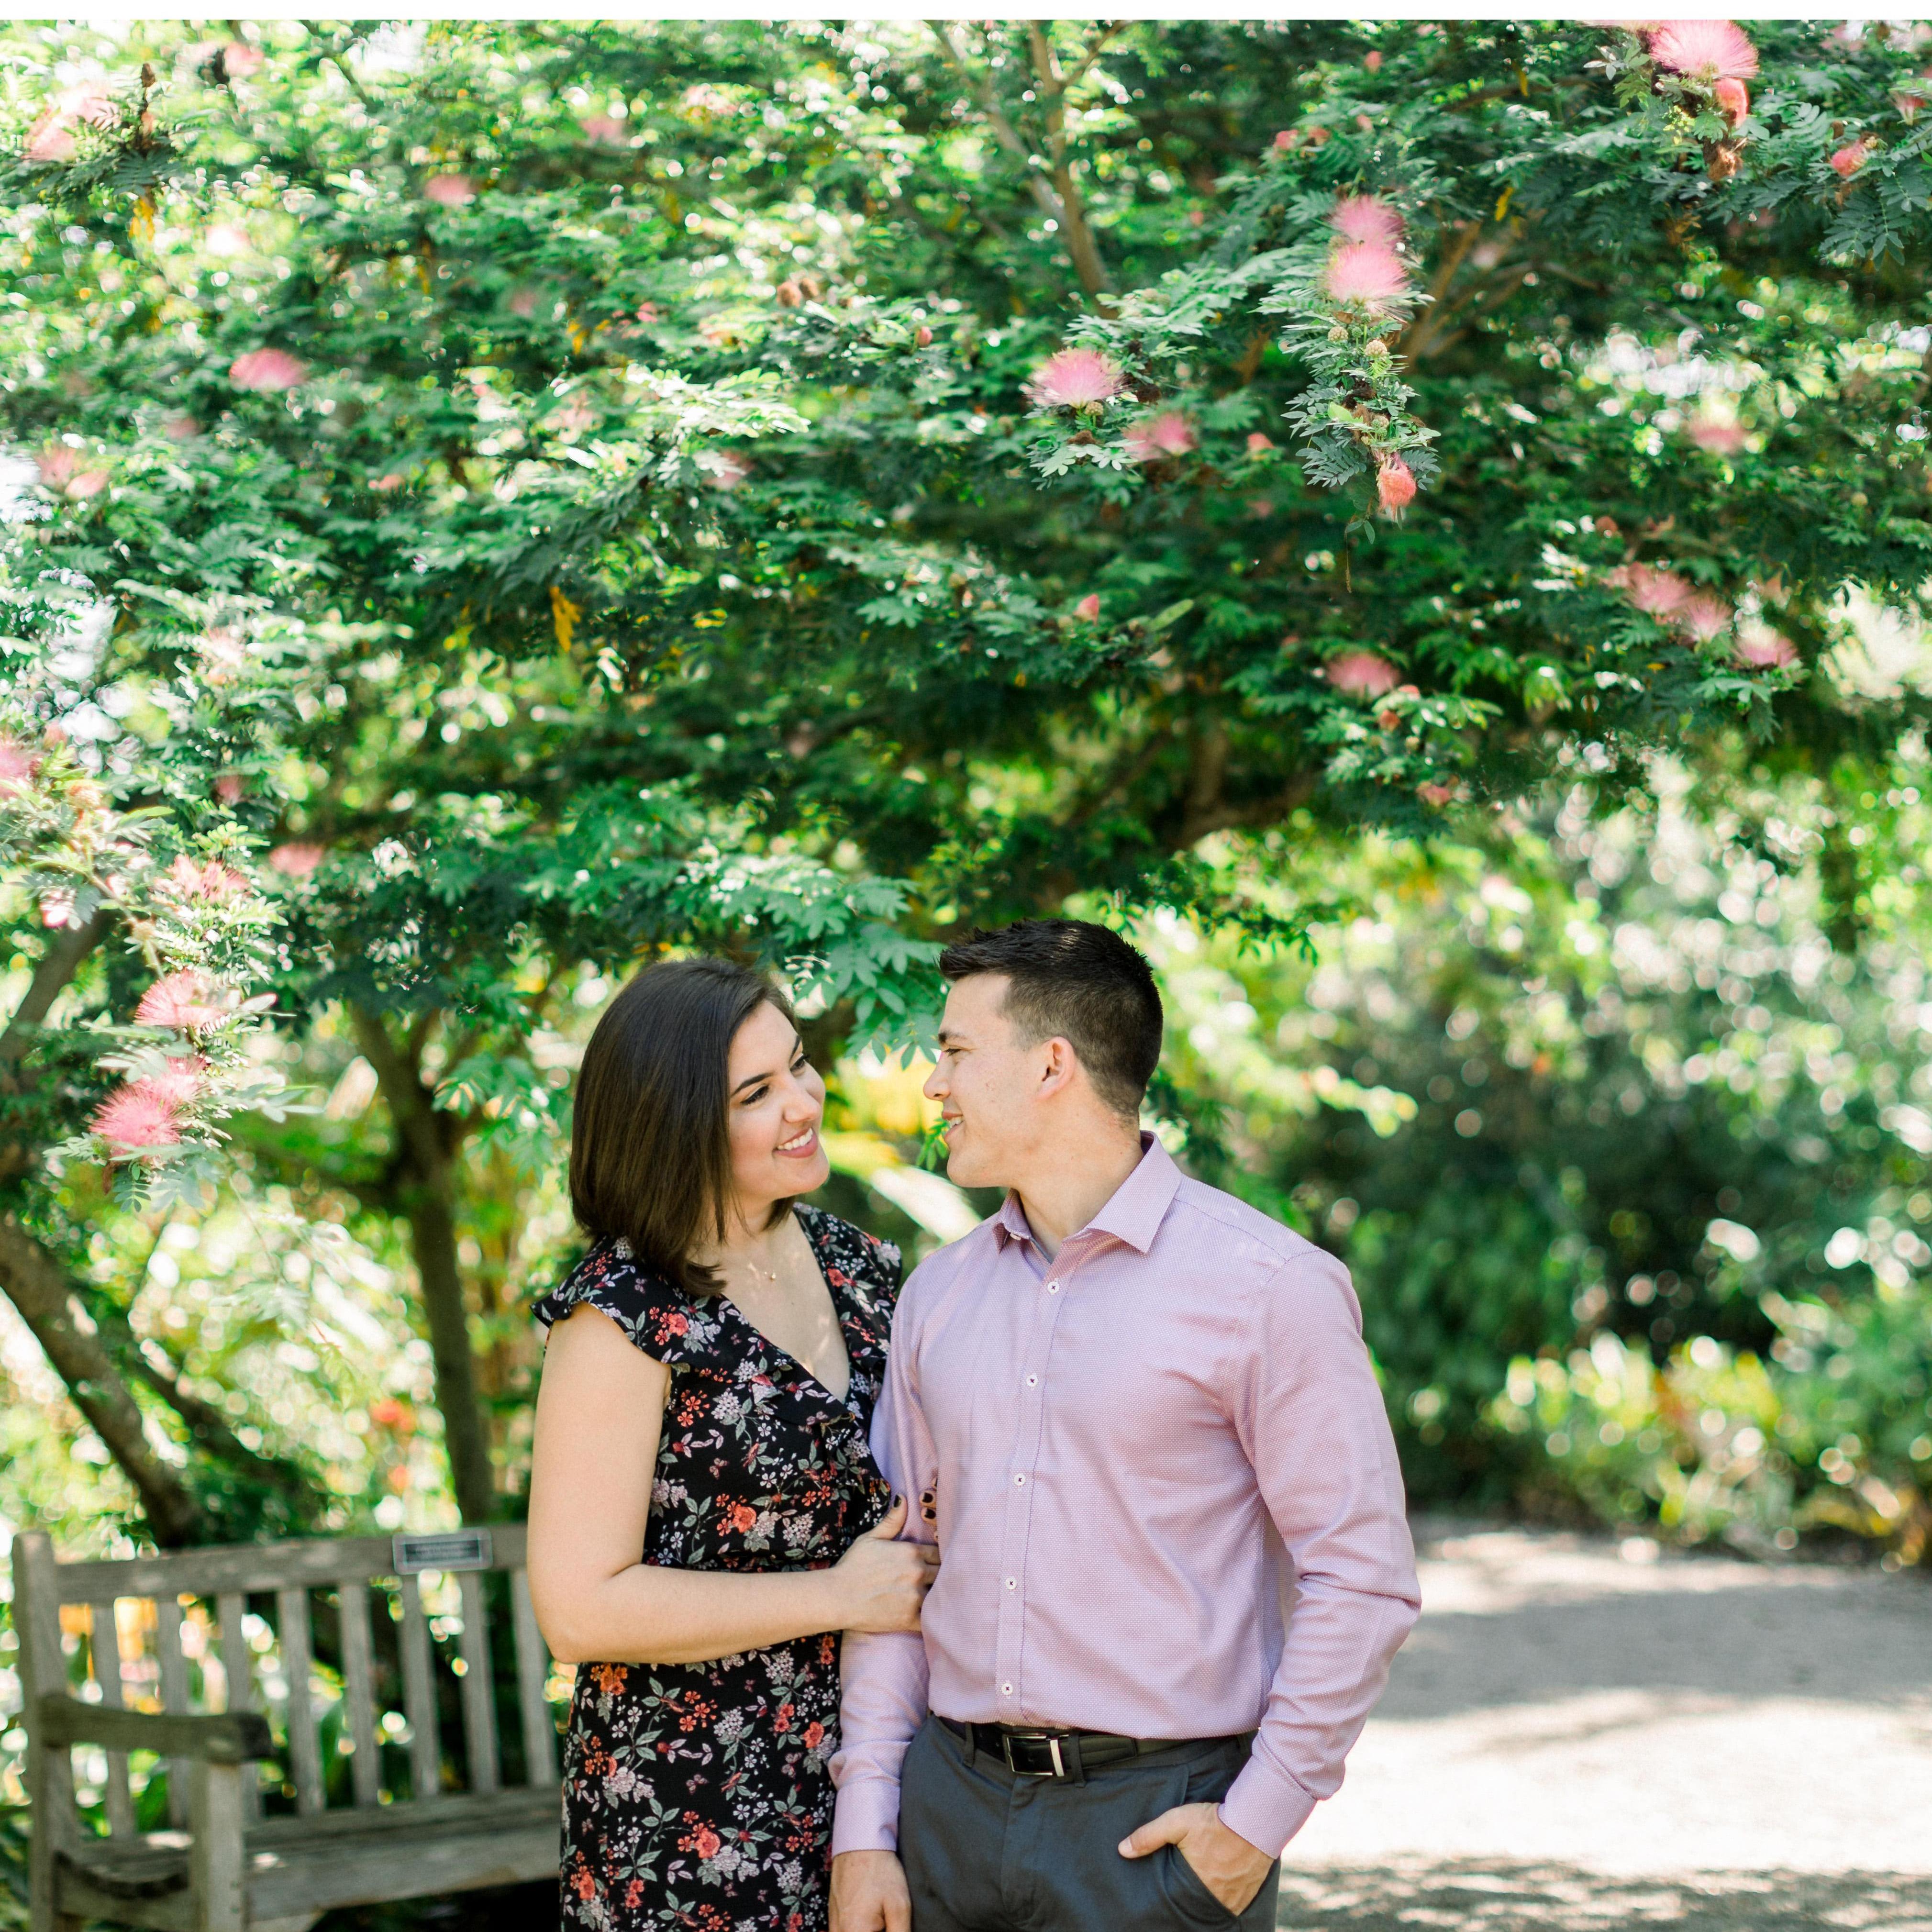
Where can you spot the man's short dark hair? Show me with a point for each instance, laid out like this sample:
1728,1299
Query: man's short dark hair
1080,982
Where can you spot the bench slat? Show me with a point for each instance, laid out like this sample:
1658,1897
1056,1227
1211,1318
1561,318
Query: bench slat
532,1668
174,1697
253,1568
358,1692
237,1667
304,1750
479,1687
419,1697
106,1658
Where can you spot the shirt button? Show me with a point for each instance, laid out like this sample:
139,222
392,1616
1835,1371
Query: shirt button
1019,1482
1012,1582
1006,1689
1053,1287
1032,1381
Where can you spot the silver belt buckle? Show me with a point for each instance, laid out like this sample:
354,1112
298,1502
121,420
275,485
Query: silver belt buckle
1007,1740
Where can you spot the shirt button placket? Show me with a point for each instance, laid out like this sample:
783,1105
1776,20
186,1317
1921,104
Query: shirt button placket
1019,1498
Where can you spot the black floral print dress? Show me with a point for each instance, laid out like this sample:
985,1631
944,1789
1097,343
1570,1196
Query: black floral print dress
700,1795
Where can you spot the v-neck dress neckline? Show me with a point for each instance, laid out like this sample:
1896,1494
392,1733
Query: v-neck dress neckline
842,1313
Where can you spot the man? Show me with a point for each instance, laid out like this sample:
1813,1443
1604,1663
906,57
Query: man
1134,1411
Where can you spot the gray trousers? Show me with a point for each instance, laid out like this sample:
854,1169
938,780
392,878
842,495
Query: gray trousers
987,1851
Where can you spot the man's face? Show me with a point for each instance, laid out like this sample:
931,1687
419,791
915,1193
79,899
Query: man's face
984,1083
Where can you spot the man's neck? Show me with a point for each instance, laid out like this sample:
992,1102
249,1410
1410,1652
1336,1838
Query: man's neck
1060,1195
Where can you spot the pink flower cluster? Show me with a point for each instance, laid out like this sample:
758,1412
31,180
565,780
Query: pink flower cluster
51,137
1169,434
207,884
1701,615
1076,379
1364,268
267,369
59,465
189,1001
1716,54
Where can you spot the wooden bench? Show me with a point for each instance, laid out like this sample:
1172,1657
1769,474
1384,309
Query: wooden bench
256,1687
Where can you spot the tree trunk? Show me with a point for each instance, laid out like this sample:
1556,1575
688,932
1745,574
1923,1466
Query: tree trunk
37,1286
426,1195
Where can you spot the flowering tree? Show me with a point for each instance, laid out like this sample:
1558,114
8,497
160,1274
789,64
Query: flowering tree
518,497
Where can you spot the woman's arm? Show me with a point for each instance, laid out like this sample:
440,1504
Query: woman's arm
600,1413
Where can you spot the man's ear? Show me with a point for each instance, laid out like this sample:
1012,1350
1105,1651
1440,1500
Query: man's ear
1060,1067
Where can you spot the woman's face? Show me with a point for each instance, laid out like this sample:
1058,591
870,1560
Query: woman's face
776,1100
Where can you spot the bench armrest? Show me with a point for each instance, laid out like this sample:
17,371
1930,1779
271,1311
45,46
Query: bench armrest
233,1738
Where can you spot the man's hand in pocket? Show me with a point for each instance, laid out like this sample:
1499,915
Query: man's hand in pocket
1233,1870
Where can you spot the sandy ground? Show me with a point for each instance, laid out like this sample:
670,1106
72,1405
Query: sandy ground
1583,1734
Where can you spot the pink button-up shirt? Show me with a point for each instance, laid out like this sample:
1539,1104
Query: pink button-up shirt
1142,1450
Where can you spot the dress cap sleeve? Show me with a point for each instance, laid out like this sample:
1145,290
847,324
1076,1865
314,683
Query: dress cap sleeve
658,1315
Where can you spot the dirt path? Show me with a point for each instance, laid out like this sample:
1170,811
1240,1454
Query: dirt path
1583,1734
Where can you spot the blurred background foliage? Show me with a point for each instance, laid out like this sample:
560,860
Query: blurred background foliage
487,505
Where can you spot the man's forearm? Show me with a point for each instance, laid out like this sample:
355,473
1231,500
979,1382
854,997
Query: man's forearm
883,1705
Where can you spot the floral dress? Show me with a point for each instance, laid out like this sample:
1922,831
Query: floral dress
699,1795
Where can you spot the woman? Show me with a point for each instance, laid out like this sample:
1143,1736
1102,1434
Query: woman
705,1514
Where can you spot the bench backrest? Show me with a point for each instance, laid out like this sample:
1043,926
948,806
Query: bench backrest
320,1636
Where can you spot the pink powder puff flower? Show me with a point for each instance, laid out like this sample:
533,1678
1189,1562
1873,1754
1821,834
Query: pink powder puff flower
449,190
1435,794
1655,593
1170,433
1287,138
137,1116
647,311
57,463
1705,50
180,429
296,860
1074,379
1395,484
383,485
1847,161
187,1000
1368,272
88,483
605,130
1362,218
51,137
18,767
240,60
267,369
1258,444
179,1081
1763,649
1360,673
1703,616
1712,432
59,909
1733,97
229,786
211,882
524,301
1089,606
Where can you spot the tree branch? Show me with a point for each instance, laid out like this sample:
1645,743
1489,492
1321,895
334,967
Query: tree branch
38,1285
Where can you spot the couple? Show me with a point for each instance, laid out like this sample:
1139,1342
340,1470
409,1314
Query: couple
1101,1673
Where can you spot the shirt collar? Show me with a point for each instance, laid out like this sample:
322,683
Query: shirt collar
1133,1213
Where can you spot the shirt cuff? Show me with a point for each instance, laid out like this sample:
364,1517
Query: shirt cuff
1265,1806
867,1817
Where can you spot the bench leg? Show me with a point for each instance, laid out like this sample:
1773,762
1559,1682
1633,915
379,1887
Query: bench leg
218,1878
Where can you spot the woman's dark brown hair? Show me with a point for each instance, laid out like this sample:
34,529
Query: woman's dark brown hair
650,1151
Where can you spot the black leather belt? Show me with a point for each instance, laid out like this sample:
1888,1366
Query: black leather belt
1068,1755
